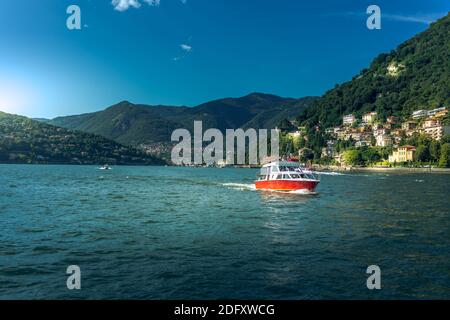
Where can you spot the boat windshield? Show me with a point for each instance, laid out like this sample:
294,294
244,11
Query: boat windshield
285,172
264,171
296,173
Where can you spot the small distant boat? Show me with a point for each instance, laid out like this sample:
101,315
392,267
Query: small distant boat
105,167
221,164
286,176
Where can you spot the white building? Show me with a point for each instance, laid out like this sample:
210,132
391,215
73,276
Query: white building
436,132
384,141
431,122
409,125
424,113
349,119
380,132
369,117
436,111
419,114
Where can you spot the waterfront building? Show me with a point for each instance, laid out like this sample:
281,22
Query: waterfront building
349,119
364,127
409,125
377,126
402,154
342,135
397,132
442,111
354,135
439,112
380,132
388,126
419,114
384,140
391,120
430,123
339,158
329,150
436,132
369,117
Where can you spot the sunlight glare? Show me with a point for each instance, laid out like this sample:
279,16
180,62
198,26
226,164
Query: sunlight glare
13,97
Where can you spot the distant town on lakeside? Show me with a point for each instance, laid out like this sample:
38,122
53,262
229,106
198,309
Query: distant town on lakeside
369,140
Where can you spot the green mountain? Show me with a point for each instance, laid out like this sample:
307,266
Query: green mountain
134,124
414,76
23,140
125,123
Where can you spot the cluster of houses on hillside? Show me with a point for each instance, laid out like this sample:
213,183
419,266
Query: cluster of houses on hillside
370,131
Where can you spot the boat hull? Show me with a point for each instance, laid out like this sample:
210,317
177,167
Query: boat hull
287,185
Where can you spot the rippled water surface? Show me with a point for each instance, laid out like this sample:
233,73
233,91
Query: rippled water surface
186,233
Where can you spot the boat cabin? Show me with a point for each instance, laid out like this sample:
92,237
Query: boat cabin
284,170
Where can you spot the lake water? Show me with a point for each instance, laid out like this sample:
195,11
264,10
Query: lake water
186,233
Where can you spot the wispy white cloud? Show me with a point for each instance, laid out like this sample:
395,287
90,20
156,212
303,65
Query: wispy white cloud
419,18
123,5
415,18
186,47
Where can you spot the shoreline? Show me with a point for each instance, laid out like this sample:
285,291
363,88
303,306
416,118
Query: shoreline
382,169
317,168
81,164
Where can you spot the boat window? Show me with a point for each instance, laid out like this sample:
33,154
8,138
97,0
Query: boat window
280,176
295,176
275,169
286,177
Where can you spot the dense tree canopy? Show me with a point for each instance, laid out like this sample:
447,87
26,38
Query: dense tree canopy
23,140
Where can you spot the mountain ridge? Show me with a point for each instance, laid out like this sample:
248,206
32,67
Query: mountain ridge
136,124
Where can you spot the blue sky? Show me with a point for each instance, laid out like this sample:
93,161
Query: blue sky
185,52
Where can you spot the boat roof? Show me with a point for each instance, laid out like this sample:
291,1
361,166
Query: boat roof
282,163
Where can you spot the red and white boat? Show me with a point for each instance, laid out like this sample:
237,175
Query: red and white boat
286,176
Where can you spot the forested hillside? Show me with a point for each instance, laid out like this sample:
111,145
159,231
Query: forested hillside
23,140
414,76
